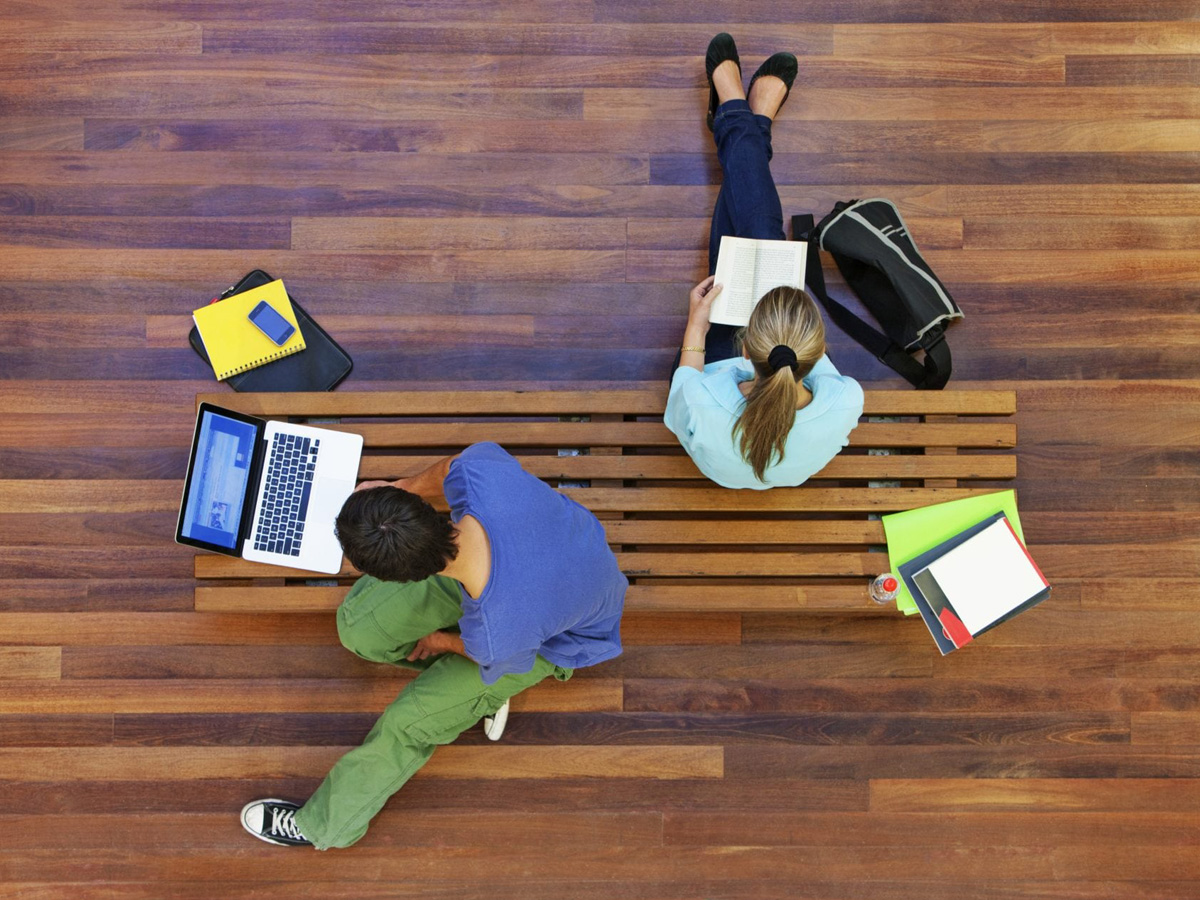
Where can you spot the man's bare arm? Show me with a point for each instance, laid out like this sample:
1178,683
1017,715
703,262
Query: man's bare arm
436,643
427,484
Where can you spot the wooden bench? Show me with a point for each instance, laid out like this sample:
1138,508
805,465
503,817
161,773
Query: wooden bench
685,543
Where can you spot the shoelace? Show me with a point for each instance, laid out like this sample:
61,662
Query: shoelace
283,822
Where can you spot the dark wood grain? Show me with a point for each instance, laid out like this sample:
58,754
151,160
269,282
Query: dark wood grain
867,11
1097,71
950,168
155,232
56,731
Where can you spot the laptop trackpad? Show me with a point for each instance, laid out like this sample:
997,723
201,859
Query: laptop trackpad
331,494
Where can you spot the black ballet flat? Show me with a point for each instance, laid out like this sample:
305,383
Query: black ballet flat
720,49
784,67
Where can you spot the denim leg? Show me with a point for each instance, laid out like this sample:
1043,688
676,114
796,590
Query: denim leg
720,342
722,224
748,203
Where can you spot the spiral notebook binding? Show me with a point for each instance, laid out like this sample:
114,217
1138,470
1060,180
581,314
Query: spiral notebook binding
255,363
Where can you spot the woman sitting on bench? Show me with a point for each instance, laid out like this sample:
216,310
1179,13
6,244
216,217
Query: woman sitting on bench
769,409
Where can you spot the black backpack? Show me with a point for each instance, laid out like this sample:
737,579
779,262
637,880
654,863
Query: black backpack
877,257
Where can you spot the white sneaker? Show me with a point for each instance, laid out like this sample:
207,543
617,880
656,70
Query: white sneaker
493,725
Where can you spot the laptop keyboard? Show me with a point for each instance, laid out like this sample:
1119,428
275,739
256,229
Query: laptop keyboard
290,466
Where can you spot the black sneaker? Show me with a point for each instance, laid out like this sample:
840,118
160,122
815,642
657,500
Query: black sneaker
274,821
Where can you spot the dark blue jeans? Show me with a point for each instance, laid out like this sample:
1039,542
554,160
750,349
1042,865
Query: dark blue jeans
748,204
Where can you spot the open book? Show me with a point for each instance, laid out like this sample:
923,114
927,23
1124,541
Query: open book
748,268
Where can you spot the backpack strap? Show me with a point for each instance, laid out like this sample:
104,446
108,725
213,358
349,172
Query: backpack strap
933,375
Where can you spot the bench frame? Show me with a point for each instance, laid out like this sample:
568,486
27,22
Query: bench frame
685,543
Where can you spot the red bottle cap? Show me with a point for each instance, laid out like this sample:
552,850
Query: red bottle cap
890,584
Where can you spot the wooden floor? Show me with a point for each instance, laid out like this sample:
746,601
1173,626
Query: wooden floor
515,194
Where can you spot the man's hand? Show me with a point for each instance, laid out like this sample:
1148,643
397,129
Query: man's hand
367,485
435,644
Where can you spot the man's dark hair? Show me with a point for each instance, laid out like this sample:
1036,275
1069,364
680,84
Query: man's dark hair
394,535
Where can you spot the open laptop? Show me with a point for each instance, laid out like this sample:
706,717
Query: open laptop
267,491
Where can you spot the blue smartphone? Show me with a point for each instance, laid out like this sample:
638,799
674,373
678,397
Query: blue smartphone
271,323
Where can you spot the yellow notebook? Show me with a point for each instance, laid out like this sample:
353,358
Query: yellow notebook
231,340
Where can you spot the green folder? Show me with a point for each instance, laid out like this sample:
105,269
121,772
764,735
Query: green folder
916,531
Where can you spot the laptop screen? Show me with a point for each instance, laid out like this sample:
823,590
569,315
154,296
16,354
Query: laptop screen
222,461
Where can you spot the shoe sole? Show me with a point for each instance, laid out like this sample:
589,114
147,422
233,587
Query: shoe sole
498,722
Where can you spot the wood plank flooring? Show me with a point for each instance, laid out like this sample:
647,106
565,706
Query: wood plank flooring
516,195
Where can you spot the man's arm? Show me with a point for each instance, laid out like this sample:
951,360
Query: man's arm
436,643
427,484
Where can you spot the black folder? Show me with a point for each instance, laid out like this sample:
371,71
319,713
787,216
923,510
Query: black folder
319,367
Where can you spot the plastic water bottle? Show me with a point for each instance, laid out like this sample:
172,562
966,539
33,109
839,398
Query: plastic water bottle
884,588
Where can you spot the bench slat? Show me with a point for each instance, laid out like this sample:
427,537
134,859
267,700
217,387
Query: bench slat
791,500
655,434
887,402
640,598
804,548
636,564
744,531
582,468
753,565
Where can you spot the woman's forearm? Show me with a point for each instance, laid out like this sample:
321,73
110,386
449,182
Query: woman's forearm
699,305
692,352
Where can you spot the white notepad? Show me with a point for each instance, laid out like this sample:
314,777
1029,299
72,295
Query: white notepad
987,576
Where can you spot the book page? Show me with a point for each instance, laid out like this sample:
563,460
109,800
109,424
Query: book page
747,269
987,576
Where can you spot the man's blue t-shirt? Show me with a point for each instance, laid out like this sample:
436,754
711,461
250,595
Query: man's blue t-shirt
554,589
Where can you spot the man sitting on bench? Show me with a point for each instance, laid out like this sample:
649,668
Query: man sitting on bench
525,576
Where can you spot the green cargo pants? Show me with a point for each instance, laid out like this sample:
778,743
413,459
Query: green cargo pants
382,621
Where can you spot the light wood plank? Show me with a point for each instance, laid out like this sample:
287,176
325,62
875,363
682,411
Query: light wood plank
163,35
30,663
655,434
1035,794
660,467
640,597
877,402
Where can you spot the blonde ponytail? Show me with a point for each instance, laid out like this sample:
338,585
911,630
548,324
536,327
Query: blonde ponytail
788,317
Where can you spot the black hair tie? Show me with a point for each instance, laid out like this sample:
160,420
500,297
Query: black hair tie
782,356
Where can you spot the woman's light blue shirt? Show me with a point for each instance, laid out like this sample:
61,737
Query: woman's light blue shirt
702,408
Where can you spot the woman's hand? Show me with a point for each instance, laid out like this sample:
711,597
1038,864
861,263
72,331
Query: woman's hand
700,302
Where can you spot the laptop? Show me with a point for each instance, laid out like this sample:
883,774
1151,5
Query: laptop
267,491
